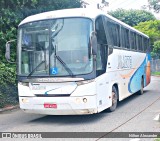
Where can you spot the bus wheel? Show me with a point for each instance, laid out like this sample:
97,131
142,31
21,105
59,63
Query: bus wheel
142,86
114,99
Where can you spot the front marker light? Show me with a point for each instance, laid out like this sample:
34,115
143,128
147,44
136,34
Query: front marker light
78,100
25,100
23,83
84,82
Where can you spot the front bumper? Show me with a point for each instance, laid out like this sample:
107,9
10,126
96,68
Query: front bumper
65,105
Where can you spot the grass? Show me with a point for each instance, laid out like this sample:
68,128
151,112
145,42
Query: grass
155,73
157,139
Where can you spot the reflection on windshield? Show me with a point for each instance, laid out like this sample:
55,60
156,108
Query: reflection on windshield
62,44
71,39
57,27
34,45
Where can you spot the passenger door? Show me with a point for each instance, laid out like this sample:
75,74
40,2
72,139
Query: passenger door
102,82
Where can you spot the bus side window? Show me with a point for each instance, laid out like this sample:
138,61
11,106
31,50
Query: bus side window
101,37
113,30
102,48
145,44
140,43
137,42
125,38
133,40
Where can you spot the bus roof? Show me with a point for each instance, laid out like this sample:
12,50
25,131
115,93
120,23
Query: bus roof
76,12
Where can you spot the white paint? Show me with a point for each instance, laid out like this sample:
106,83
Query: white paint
77,12
157,118
97,92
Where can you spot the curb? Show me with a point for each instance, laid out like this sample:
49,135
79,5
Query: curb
9,108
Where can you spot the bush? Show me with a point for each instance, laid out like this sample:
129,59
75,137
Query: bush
11,13
8,87
156,47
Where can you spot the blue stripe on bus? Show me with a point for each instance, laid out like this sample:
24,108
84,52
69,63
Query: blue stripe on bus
135,84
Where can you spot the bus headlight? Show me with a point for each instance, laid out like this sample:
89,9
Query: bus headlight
84,82
85,100
25,100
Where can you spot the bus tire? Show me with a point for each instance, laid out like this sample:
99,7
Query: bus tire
140,92
114,99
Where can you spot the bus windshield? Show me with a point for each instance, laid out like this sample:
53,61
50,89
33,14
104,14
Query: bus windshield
58,47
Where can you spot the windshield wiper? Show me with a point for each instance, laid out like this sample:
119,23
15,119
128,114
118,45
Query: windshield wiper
65,66
35,68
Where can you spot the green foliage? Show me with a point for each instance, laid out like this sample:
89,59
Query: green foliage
12,12
151,28
132,17
156,47
155,73
7,75
154,4
8,88
153,55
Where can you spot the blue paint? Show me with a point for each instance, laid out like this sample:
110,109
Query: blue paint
46,93
135,82
54,71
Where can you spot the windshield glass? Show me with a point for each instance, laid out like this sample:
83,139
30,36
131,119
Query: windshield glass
59,47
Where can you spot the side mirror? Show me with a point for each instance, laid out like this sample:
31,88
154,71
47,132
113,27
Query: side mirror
94,43
7,54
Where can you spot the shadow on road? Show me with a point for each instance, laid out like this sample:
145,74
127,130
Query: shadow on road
83,119
68,119
131,98
124,102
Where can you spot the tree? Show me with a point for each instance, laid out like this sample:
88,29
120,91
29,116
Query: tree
153,4
156,48
151,28
132,17
13,11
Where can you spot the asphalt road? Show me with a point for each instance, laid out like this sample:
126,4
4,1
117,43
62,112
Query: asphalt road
134,114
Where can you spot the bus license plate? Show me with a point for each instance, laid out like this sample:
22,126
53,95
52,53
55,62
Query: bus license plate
47,105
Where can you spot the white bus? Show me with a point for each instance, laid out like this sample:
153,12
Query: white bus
79,61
